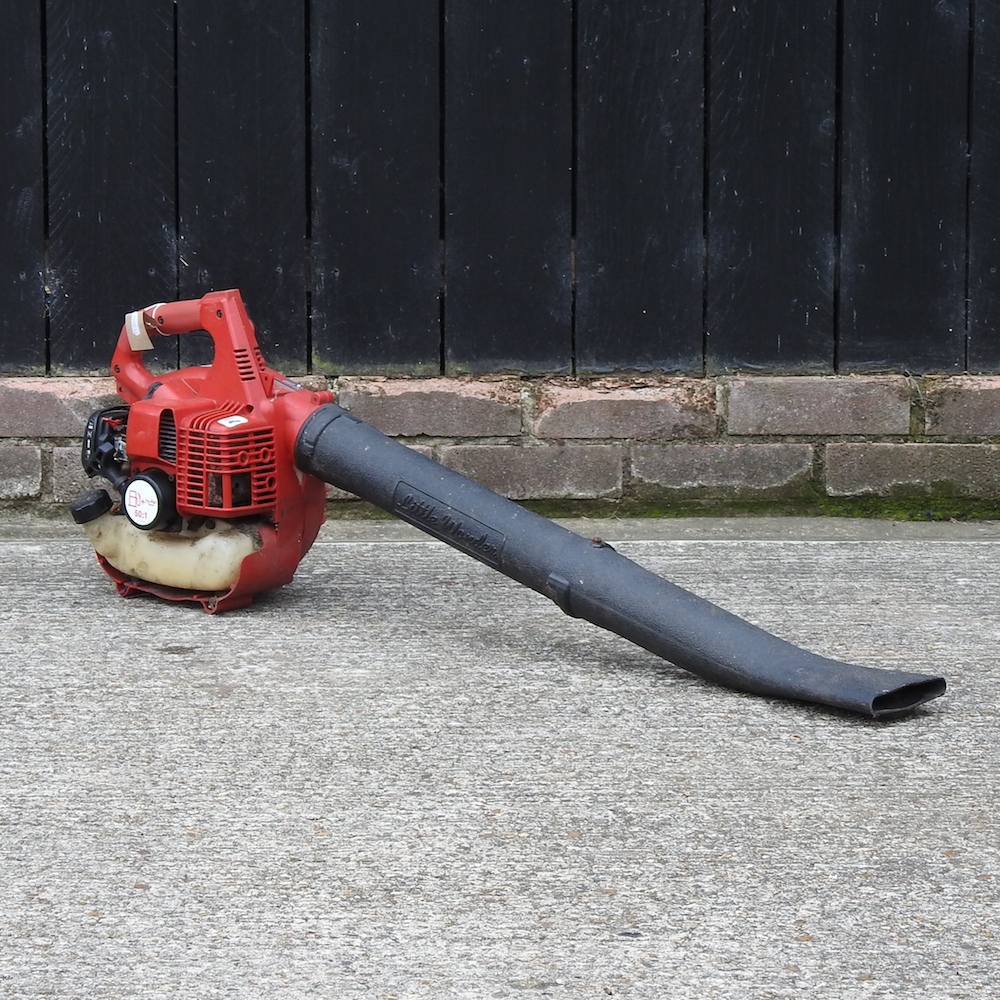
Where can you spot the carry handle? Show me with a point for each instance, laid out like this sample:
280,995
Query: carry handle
237,366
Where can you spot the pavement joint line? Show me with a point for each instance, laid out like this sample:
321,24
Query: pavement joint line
806,529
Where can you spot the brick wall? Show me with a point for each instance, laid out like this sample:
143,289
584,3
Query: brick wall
655,440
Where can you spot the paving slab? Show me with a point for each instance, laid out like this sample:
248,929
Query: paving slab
406,776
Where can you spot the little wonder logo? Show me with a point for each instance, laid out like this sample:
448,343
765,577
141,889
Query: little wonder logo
450,525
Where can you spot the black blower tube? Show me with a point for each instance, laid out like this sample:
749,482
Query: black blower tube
589,579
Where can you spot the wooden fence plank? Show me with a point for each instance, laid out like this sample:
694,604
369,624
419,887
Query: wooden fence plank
111,171
984,203
915,222
376,183
22,306
508,184
771,178
905,106
241,70
639,239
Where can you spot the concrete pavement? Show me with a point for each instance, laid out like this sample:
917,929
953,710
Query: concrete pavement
406,776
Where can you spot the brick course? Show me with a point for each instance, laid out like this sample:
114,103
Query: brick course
683,408
816,405
51,407
569,471
20,472
725,470
880,469
435,407
963,407
560,438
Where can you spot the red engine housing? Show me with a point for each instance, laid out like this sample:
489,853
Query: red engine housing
224,433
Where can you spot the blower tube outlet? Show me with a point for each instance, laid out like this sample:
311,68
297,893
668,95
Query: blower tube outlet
589,579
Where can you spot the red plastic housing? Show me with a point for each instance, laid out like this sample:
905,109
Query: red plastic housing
225,434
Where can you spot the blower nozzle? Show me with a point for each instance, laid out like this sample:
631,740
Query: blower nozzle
588,579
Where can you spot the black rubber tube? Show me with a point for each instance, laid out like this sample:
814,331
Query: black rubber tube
589,579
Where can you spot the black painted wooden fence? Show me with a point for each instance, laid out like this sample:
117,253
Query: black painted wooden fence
538,185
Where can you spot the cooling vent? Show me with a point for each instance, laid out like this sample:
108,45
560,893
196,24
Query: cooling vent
167,445
245,364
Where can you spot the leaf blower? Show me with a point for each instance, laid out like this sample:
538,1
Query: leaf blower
221,471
